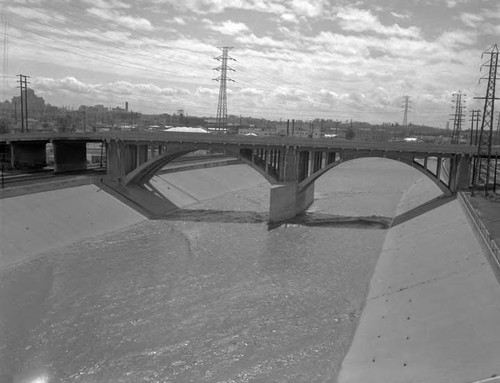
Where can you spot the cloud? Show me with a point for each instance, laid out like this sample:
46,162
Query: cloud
117,17
454,3
471,20
251,92
289,10
457,38
400,15
102,91
179,21
202,91
67,84
108,4
229,27
308,8
265,41
289,17
361,20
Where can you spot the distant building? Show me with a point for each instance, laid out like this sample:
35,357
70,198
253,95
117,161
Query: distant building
187,129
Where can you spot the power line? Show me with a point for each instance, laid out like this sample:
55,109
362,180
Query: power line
116,60
101,36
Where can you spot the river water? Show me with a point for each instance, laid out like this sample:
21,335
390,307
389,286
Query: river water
208,295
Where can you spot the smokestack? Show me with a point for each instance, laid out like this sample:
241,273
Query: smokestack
126,106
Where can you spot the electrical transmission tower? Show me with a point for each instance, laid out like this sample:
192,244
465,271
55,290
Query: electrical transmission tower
23,85
458,117
475,114
222,104
498,130
483,164
406,106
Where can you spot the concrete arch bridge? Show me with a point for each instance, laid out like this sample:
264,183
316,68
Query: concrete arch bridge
291,165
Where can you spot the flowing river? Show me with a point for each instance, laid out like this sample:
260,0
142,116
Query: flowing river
207,295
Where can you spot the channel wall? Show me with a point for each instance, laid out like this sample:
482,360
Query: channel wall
432,313
32,224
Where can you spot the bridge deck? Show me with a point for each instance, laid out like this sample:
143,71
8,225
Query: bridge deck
236,140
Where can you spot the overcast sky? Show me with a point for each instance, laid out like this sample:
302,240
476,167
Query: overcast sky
299,59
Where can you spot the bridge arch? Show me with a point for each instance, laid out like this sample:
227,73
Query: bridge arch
407,159
144,172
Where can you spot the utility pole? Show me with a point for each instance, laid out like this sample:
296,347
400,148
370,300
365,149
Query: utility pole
222,79
23,85
486,133
84,119
15,113
458,117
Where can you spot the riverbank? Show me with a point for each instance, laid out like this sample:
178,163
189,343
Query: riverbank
433,310
34,223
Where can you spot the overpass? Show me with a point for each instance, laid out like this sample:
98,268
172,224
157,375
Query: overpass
290,164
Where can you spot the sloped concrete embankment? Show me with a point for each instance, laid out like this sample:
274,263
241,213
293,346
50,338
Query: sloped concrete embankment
433,308
32,224
36,223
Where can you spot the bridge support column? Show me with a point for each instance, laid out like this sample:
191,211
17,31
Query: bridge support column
28,155
463,174
116,166
142,155
287,201
69,156
288,166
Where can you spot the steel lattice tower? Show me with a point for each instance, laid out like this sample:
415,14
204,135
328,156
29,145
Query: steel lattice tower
222,104
482,173
406,105
458,117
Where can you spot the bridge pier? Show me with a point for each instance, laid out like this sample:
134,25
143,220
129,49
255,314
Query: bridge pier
123,158
460,177
287,201
28,155
69,156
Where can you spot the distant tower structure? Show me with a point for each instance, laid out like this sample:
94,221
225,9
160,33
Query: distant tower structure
458,117
23,85
483,164
406,106
126,106
222,104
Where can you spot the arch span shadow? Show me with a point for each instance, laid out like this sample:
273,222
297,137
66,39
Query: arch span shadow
422,209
